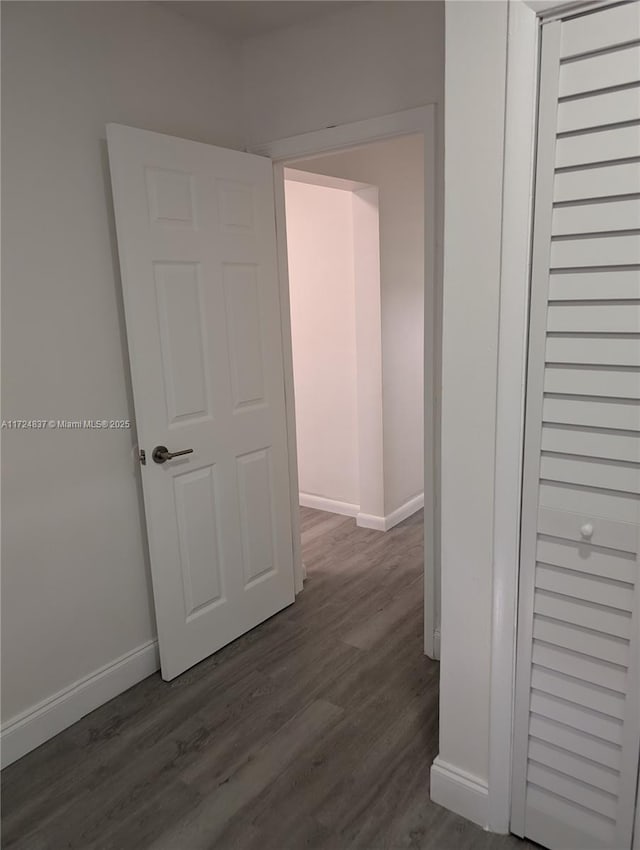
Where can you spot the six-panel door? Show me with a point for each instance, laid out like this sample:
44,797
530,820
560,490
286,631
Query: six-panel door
196,238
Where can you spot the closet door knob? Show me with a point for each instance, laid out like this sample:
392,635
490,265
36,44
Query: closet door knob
587,531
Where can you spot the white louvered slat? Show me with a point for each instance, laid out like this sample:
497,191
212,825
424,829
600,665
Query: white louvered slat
593,412
594,351
619,68
587,614
586,587
592,443
607,383
616,536
582,719
597,217
554,822
621,507
599,110
605,474
577,727
607,29
607,181
598,645
580,768
585,558
571,789
602,286
597,251
582,667
594,318
597,146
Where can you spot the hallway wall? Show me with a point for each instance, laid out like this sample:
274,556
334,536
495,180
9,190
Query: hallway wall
322,293
396,167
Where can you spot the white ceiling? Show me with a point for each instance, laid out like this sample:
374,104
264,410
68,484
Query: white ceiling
240,19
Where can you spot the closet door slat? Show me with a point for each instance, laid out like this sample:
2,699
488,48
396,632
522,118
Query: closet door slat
592,412
594,351
605,474
603,182
605,217
607,285
580,666
593,443
577,717
599,110
612,383
608,29
603,71
594,318
569,788
621,250
585,587
559,823
603,504
580,768
582,557
591,616
599,146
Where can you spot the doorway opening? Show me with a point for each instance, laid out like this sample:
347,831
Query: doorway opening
355,238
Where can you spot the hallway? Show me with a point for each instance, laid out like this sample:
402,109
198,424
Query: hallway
315,730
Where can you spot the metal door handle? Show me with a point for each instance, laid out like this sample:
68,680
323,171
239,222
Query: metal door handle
161,454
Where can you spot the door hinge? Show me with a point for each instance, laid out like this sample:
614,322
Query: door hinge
142,457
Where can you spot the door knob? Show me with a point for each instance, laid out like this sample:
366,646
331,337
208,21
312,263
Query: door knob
161,454
587,531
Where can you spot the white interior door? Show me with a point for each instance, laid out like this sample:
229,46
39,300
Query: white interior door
196,238
577,718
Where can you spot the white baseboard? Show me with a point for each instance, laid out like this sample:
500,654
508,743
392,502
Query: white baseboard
384,523
370,521
331,505
33,727
404,511
459,791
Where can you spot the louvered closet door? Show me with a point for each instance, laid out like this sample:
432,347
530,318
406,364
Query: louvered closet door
577,702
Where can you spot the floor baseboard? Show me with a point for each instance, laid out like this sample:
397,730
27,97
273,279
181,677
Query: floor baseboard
333,506
33,727
370,521
460,792
384,523
409,508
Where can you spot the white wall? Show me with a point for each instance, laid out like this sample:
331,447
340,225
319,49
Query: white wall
367,61
396,167
323,329
476,39
75,589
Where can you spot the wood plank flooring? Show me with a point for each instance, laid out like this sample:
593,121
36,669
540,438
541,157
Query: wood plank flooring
315,730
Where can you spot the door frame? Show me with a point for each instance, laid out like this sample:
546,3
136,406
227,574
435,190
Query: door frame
524,22
425,120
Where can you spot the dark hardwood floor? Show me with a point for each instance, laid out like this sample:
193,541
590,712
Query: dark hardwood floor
315,730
